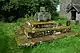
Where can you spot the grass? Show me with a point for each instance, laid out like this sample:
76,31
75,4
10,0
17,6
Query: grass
65,45
68,44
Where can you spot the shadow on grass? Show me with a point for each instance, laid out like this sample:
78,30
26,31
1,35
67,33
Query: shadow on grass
27,49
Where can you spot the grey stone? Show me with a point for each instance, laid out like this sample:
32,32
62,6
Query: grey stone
42,15
66,8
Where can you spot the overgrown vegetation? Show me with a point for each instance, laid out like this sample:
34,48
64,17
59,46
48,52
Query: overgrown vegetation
11,10
65,45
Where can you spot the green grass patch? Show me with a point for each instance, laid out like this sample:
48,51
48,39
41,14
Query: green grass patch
68,44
